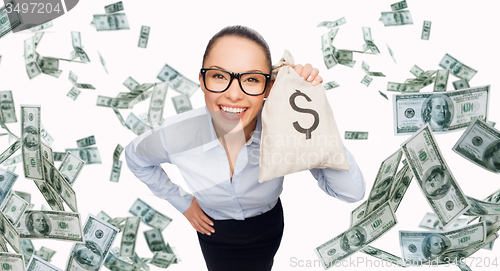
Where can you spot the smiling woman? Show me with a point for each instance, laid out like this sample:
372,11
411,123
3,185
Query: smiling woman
239,220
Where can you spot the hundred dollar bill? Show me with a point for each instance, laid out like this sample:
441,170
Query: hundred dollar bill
85,86
455,256
27,249
489,220
25,196
8,20
116,154
480,144
7,108
72,77
162,259
63,226
331,24
130,83
70,167
89,155
155,113
366,80
50,195
45,253
441,80
482,208
136,125
59,184
426,30
12,261
9,233
42,26
119,116
103,62
77,45
403,87
383,95
38,264
87,141
103,216
38,38
401,182
116,263
127,247
391,53
434,176
460,84
355,135
431,222
177,81
383,255
73,93
30,58
358,213
9,152
182,103
444,112
399,5
30,133
123,103
330,85
382,185
106,22
144,36
402,17
58,156
14,208
115,7
48,64
45,135
115,171
99,237
416,70
150,216
155,241
421,247
367,36
358,236
457,68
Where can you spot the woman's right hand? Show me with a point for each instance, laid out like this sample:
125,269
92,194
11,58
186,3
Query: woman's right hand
198,219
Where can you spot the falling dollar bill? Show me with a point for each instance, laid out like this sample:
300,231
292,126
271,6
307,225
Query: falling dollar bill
9,233
331,24
356,135
99,237
356,237
383,255
50,195
89,155
127,247
42,26
480,144
39,264
457,68
115,262
76,40
70,167
136,125
116,154
59,184
107,22
12,261
330,85
163,259
403,87
115,171
399,5
383,95
441,80
401,183
25,196
421,247
489,220
115,7
103,216
30,58
130,83
402,17
426,30
7,108
482,208
367,36
157,103
149,216
73,93
84,142
9,20
45,253
58,156
177,81
382,185
63,226
416,70
460,84
358,214
144,36
14,208
391,53
431,221
103,63
434,176
366,80
444,112
30,133
155,241
9,152
182,103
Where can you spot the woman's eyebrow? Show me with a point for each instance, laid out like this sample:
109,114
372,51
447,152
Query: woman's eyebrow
215,66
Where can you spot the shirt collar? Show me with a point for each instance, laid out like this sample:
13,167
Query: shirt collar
254,136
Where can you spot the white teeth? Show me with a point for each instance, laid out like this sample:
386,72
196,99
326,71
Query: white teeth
232,109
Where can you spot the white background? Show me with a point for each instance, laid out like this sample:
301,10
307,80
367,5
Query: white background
180,31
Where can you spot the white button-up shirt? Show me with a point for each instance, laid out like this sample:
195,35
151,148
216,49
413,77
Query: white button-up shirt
189,141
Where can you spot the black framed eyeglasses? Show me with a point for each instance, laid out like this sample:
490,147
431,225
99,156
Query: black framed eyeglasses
218,81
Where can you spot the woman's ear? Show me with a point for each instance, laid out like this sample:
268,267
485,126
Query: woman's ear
200,79
268,89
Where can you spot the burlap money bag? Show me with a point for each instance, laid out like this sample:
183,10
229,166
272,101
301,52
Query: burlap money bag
299,131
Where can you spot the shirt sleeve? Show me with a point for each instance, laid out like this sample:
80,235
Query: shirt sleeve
144,155
346,185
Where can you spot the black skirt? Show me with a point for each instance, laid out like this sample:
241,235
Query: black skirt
244,245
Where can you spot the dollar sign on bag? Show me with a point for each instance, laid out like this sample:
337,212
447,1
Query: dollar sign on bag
296,124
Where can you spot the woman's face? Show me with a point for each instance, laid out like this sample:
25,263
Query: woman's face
235,54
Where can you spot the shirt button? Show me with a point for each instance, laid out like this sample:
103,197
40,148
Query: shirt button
232,196
237,211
